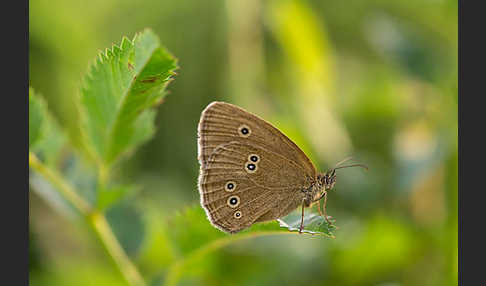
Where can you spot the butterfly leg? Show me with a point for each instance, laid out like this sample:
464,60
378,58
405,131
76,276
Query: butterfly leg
302,218
324,195
319,209
318,200
324,209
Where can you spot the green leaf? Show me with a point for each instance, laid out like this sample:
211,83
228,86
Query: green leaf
46,138
48,142
187,224
193,222
128,226
192,236
313,223
118,92
36,110
108,196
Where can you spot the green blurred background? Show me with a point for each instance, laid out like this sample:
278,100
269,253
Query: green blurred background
375,79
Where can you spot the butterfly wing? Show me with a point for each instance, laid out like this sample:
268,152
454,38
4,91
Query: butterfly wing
234,196
234,193
222,122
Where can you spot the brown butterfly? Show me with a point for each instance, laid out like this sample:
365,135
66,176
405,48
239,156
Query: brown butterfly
251,172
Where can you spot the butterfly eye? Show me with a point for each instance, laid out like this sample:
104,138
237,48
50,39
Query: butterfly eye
251,168
254,158
233,201
237,214
244,131
230,186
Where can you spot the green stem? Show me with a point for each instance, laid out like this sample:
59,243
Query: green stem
62,186
96,220
103,174
108,239
175,271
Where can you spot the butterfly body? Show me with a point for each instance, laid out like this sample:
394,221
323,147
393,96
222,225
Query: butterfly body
250,171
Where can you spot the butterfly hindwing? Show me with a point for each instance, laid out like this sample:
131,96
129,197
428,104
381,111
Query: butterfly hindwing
225,178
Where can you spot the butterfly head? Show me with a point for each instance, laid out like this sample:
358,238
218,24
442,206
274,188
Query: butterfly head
328,180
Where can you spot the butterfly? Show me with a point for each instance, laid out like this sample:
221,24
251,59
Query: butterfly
251,172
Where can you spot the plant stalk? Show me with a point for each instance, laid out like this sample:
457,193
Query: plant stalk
103,230
96,220
66,190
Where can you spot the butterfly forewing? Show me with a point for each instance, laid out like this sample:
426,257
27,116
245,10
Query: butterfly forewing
222,122
249,171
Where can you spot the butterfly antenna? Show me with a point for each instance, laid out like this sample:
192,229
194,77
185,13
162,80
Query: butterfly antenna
352,165
344,160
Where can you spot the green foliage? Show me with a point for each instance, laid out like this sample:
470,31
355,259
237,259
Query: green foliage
109,195
383,247
45,136
128,226
116,102
116,106
313,223
35,117
192,222
48,141
119,90
192,237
